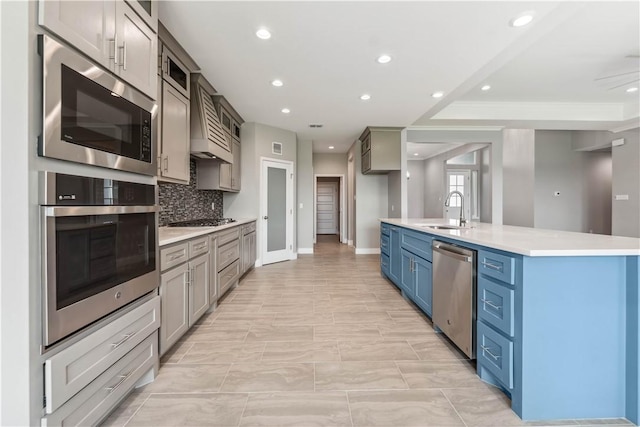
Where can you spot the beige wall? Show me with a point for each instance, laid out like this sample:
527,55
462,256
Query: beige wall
518,174
415,189
625,215
305,196
330,164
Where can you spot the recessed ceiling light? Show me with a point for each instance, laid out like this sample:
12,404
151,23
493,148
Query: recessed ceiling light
415,154
277,83
331,147
365,97
286,110
632,89
263,34
522,19
437,94
383,59
485,87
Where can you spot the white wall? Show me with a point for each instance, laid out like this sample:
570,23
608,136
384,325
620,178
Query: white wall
626,181
518,160
371,205
330,164
305,196
415,189
558,168
394,193
256,143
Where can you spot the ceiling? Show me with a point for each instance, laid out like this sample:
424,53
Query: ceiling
553,73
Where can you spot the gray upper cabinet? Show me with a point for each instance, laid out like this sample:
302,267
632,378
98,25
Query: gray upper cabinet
147,10
115,37
137,50
380,148
174,140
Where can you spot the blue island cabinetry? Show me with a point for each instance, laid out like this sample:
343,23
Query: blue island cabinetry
558,334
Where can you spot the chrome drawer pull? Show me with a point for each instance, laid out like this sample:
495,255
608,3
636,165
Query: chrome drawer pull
492,266
174,257
123,378
201,246
122,341
491,304
486,350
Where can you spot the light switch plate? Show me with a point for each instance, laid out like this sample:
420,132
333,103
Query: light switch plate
622,197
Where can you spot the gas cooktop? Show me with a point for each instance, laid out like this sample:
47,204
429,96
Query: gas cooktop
202,222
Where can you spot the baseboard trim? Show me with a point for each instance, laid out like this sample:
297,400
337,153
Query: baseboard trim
305,251
294,255
258,263
350,242
367,251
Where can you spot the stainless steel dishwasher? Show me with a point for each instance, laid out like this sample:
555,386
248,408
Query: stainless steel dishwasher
454,294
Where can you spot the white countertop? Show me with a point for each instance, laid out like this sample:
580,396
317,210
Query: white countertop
169,235
528,241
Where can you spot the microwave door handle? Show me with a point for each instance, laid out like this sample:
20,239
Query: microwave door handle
59,211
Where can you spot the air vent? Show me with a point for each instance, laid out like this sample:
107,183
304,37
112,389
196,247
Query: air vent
315,125
276,148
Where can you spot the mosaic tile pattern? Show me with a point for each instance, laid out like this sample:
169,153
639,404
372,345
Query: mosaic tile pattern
173,197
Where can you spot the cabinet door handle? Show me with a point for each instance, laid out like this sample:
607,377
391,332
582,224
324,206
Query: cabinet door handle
187,277
115,49
492,266
166,163
123,62
122,341
491,304
488,351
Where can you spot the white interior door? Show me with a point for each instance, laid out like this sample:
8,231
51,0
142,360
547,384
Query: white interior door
327,218
276,211
458,180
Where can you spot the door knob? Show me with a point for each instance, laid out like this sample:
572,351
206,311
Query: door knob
265,217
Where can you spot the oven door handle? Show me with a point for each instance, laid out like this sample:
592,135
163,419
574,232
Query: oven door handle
58,211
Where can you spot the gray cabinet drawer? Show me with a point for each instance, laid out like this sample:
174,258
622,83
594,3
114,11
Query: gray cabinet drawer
498,266
384,263
69,371
228,276
173,255
495,305
227,254
495,353
198,246
417,243
248,228
384,244
227,236
92,403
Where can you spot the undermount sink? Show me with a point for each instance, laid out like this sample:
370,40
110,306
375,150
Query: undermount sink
444,227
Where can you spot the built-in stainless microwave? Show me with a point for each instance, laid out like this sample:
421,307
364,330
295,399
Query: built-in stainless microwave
99,249
91,117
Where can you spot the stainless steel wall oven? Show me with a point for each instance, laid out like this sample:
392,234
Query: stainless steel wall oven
90,116
100,249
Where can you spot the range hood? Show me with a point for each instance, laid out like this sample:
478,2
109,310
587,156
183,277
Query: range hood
208,140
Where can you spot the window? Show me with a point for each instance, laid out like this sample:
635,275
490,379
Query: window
456,183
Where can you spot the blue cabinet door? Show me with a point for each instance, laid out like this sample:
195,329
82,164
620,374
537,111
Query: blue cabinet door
395,262
423,284
407,275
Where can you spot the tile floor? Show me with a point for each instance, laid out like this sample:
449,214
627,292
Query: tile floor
320,341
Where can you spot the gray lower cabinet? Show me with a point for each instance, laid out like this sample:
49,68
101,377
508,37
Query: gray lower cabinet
184,288
213,271
198,287
248,246
174,292
84,381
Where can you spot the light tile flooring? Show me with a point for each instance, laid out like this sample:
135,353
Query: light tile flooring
320,341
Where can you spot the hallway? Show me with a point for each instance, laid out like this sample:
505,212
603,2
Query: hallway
322,340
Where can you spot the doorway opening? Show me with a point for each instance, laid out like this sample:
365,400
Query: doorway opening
329,208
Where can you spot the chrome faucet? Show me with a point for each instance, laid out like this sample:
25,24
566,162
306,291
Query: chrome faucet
463,221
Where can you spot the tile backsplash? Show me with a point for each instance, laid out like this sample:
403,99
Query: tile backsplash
179,202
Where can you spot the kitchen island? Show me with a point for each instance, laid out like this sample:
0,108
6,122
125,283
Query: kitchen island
557,312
